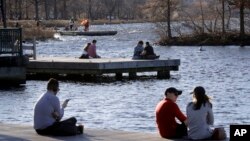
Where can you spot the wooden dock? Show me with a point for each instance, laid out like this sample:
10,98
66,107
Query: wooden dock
96,67
27,133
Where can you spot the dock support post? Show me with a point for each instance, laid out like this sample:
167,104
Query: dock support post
132,75
34,48
163,74
118,76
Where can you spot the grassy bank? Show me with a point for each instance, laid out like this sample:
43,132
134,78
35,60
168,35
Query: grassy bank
207,39
31,29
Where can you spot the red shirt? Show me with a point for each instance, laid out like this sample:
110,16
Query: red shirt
166,112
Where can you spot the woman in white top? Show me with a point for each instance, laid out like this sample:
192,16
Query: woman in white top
200,115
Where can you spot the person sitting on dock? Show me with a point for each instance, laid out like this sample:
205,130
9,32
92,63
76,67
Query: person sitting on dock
85,54
148,52
138,50
48,114
166,111
92,50
200,117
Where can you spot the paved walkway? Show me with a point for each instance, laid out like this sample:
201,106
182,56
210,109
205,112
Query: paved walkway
26,133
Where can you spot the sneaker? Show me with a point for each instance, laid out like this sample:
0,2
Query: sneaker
80,129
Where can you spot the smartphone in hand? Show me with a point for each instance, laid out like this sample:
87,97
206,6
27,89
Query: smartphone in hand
65,103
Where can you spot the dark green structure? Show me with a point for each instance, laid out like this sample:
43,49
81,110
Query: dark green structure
12,62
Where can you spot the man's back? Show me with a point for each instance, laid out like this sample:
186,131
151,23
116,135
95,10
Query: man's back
149,50
166,112
43,110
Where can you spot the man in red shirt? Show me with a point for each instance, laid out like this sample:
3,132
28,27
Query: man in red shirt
166,112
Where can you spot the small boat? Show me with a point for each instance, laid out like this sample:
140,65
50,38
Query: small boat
88,33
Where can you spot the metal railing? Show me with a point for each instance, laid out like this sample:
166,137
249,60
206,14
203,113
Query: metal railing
11,42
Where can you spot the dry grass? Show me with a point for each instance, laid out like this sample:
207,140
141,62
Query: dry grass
31,30
38,32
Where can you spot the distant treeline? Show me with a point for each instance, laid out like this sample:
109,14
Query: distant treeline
66,9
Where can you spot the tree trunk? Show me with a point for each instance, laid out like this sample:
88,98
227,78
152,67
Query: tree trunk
89,10
10,10
37,10
169,20
242,25
55,9
20,11
3,13
26,10
65,15
16,10
203,20
223,17
46,9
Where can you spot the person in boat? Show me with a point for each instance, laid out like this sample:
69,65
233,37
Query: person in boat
85,54
167,111
48,114
200,117
138,50
86,24
71,24
148,52
92,50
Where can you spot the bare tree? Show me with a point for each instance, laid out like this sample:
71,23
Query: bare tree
110,5
223,16
242,4
37,9
55,10
164,10
242,21
89,9
46,9
3,13
202,16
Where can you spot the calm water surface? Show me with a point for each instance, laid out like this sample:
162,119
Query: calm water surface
129,105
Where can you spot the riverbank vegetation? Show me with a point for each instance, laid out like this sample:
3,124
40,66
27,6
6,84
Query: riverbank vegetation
201,22
179,22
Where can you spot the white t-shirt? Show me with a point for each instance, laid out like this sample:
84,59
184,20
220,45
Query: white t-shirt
44,107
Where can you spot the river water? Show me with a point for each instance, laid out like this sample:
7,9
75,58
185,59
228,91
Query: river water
129,105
